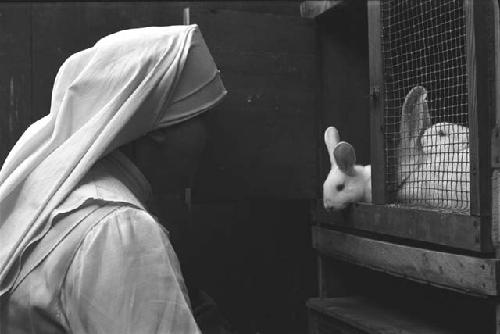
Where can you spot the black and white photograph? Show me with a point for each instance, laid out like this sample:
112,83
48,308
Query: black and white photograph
250,167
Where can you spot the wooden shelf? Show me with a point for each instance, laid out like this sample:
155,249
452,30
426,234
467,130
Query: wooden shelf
356,315
466,274
432,226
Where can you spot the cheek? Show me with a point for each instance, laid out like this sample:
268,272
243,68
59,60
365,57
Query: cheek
175,160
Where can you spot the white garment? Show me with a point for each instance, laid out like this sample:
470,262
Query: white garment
113,269
128,84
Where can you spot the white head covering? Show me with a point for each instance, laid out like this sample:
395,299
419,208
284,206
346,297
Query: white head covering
128,84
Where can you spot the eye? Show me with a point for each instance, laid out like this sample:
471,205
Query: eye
340,187
441,133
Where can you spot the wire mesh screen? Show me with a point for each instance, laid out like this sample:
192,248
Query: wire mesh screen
426,113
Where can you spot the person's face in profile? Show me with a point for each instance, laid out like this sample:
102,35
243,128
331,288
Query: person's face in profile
169,157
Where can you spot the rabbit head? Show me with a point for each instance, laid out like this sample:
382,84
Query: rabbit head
347,182
445,137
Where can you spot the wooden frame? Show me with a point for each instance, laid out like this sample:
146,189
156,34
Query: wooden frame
471,232
448,230
354,315
467,274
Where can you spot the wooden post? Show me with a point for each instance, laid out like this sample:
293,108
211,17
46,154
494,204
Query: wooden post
376,103
186,18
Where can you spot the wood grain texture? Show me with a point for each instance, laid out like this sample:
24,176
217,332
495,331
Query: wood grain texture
462,273
495,216
379,193
334,277
262,137
446,229
485,20
472,107
344,69
15,73
359,315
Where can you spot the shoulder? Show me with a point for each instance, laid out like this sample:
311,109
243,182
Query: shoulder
124,225
121,240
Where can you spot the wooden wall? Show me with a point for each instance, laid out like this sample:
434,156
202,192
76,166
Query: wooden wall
343,34
249,244
15,74
263,134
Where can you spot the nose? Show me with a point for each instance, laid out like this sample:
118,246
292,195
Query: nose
329,207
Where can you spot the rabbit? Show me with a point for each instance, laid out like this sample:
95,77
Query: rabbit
433,160
347,182
446,169
445,137
415,118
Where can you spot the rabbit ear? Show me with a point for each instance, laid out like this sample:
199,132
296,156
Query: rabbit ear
332,138
415,117
345,156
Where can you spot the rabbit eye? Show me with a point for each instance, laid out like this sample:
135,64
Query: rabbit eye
441,133
340,187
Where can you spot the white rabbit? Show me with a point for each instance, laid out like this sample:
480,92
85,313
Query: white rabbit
445,137
433,160
446,170
347,182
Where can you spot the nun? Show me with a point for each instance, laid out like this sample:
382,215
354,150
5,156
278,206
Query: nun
79,250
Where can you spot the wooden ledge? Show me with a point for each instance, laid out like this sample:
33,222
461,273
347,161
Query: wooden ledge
441,228
462,273
359,315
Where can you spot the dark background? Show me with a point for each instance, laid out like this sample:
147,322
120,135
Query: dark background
249,243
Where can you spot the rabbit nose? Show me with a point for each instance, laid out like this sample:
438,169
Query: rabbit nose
328,207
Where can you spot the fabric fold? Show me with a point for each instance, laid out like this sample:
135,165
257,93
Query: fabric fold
103,98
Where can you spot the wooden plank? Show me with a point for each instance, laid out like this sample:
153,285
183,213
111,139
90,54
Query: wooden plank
377,103
457,272
447,229
472,107
366,316
322,324
312,9
482,19
481,70
345,79
495,145
497,318
334,277
262,137
262,265
283,8
495,219
296,67
15,73
284,34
